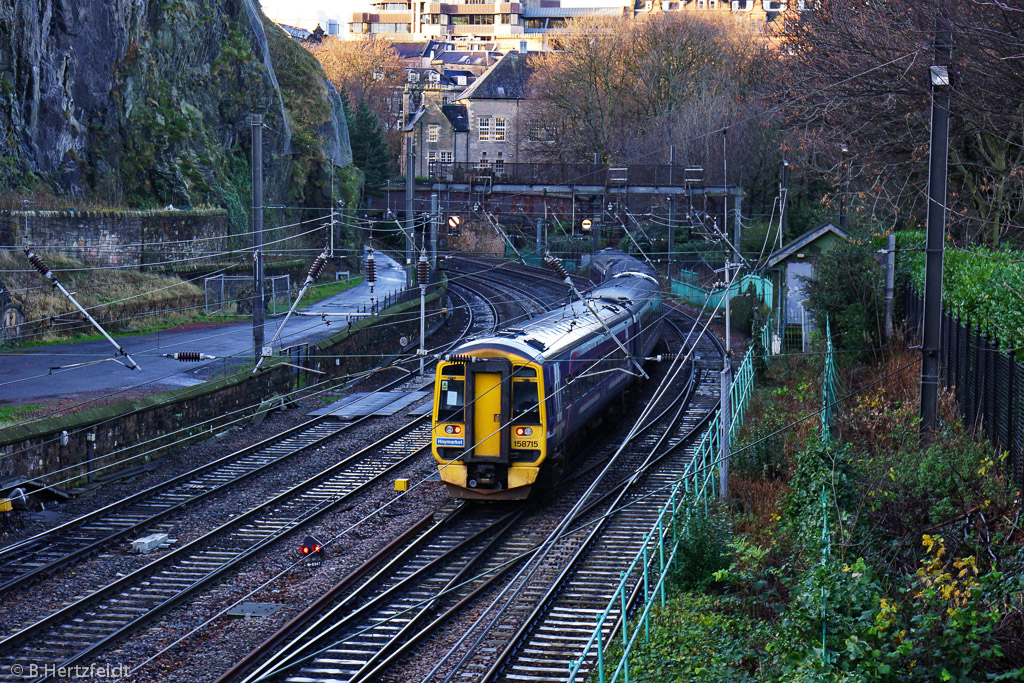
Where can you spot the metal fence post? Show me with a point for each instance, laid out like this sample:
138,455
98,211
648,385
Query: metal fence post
625,626
990,387
976,400
1011,396
647,597
600,648
661,554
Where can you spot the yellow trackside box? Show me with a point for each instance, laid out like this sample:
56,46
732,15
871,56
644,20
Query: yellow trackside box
401,484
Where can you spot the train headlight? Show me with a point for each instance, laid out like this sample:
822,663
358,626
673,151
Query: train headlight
524,431
452,429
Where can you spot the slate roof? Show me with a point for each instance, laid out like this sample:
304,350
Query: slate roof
803,240
458,116
409,50
465,58
505,80
452,74
295,32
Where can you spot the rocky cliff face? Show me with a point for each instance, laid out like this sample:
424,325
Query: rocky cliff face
147,102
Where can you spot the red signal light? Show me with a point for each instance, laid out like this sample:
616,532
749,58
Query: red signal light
312,547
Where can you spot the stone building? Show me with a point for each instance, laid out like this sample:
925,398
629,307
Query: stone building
481,126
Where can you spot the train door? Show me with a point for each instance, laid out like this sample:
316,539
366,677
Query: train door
490,413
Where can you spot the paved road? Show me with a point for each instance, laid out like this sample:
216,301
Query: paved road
25,373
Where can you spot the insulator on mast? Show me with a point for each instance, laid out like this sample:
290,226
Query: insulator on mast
371,269
422,270
38,264
556,265
188,356
317,267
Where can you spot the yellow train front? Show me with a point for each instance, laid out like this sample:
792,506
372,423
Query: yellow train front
510,408
490,447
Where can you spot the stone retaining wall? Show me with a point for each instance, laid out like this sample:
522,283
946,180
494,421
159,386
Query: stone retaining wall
118,238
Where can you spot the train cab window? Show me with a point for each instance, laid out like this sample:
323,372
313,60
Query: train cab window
525,402
451,401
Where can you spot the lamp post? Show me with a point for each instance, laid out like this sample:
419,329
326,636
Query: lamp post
845,188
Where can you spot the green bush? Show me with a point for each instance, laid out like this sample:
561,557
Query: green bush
982,284
847,293
702,549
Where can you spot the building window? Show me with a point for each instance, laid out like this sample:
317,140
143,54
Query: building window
484,124
499,129
433,132
499,166
431,156
446,157
483,164
472,19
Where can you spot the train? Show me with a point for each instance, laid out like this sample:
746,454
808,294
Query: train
510,408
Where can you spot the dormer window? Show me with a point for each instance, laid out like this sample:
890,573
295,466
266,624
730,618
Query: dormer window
414,77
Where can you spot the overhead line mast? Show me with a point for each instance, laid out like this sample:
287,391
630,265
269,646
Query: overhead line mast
38,264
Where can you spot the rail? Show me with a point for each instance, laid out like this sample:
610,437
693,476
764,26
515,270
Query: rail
690,495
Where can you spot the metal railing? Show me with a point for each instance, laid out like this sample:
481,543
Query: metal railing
988,382
691,495
555,173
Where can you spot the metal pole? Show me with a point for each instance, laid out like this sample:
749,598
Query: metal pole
257,236
936,227
435,217
784,198
422,275
845,190
540,244
724,412
671,210
890,283
409,220
332,212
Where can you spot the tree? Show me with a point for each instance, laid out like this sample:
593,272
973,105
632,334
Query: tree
369,149
627,89
859,77
367,69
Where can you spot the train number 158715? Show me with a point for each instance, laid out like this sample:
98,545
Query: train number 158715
517,443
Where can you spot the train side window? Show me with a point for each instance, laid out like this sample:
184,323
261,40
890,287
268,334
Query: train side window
451,400
525,402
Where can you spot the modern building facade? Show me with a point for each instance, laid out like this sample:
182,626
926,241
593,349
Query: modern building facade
471,23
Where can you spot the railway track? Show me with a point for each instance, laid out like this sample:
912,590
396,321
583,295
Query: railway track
31,559
67,638
367,643
76,632
536,643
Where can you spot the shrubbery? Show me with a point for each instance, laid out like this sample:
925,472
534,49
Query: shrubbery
980,283
847,292
874,561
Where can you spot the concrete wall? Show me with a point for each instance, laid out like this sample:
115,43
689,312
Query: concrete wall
118,238
131,433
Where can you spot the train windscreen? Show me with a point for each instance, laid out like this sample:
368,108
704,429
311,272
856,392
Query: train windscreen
451,401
